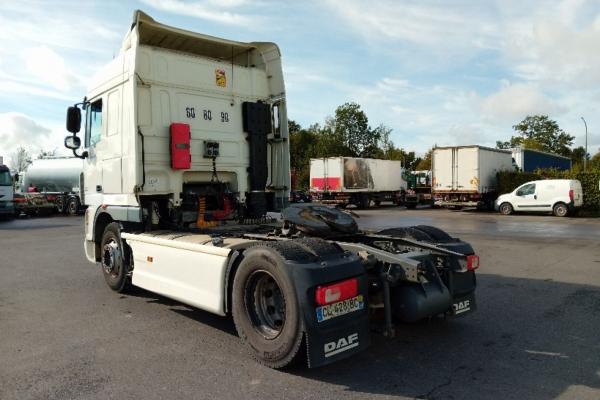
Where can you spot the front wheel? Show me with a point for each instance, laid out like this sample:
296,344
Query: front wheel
265,308
505,209
114,267
560,210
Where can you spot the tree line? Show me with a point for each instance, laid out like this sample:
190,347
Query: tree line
348,133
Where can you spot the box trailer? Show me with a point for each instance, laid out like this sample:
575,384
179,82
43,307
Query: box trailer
358,181
186,179
465,176
528,160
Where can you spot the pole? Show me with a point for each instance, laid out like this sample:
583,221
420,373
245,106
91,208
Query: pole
586,152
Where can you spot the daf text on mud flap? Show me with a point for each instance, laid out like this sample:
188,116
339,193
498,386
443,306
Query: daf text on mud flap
341,345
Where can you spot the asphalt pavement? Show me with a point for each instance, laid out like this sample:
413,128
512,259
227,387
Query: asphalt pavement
536,334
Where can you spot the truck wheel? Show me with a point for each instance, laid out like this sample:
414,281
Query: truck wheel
560,210
411,206
73,206
365,202
506,209
113,264
265,308
60,204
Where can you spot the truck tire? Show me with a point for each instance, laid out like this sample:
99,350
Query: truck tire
265,308
364,202
560,210
60,204
505,209
112,260
411,206
73,206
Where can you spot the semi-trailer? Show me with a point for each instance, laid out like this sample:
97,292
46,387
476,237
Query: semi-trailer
465,176
528,160
358,181
59,179
187,178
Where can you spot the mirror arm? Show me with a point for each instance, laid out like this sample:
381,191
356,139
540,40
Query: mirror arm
83,155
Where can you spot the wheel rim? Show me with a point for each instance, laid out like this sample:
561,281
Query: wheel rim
111,258
561,210
505,209
265,304
72,207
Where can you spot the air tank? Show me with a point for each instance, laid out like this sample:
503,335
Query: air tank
60,174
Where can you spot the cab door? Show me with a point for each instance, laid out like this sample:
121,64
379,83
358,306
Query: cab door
525,198
94,130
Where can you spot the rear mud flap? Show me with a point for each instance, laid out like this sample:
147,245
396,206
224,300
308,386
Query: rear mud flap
341,340
339,337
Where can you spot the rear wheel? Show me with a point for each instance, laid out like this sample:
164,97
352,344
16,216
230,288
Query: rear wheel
265,308
73,206
114,267
560,210
506,209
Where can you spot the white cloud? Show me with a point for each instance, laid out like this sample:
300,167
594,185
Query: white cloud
49,68
211,12
514,102
18,129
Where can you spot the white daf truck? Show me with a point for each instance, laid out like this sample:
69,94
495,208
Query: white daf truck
7,207
186,179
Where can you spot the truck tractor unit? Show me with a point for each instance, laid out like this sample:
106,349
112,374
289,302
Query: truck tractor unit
7,207
359,181
59,179
465,176
419,189
186,182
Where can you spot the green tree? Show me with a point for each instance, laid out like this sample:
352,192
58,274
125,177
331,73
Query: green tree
351,125
577,155
542,133
302,149
425,163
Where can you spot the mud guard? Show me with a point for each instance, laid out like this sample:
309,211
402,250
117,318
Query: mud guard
339,337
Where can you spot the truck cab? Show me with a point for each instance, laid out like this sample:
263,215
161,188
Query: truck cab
178,119
7,208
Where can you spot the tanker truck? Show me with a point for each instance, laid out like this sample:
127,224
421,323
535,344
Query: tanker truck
7,208
58,178
187,177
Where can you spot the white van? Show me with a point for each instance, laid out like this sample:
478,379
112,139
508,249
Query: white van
559,196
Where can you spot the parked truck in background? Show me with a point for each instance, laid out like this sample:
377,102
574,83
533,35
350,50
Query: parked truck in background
187,178
7,208
57,178
419,189
528,160
465,176
358,181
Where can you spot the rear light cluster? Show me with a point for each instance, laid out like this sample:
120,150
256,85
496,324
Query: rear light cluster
571,195
335,292
472,262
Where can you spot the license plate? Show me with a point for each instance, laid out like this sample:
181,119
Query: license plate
340,308
463,306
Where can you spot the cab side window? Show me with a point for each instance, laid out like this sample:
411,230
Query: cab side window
526,189
93,123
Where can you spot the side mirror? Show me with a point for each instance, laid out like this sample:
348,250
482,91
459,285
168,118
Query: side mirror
73,120
72,142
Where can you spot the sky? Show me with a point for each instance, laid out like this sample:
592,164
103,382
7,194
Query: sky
449,72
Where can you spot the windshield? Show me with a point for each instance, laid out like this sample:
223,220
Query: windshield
5,179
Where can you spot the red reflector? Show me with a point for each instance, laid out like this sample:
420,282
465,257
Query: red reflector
180,146
571,195
472,262
336,292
